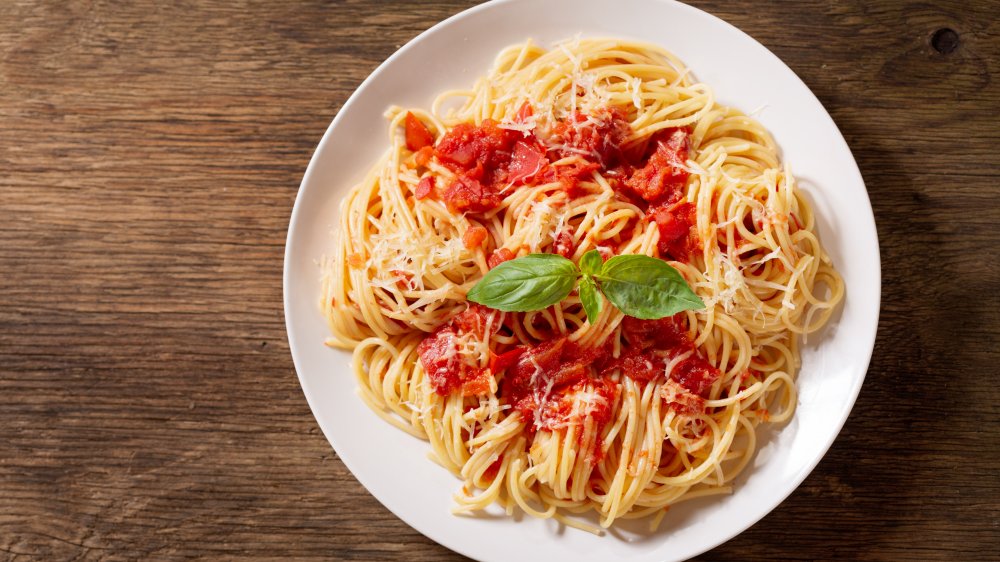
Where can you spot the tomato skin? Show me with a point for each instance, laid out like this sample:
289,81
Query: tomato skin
505,360
418,135
424,187
476,382
473,237
524,112
499,256
527,162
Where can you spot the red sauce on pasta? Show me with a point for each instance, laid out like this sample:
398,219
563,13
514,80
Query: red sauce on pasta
489,160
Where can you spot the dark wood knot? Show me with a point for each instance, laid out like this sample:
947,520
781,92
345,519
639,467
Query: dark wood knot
945,40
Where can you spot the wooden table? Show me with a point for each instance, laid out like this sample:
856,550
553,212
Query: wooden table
149,157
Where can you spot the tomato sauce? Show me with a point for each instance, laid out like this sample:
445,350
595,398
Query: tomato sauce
695,374
598,137
468,147
658,341
474,320
678,234
475,154
570,176
564,245
663,177
558,382
543,382
491,471
488,160
439,355
648,348
469,194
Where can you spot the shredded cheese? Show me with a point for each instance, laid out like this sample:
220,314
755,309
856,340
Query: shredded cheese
400,254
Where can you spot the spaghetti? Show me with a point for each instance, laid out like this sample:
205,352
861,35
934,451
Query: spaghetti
594,144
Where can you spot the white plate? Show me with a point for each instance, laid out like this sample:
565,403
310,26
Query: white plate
393,466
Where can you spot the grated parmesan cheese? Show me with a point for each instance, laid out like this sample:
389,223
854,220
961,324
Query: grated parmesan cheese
732,282
402,254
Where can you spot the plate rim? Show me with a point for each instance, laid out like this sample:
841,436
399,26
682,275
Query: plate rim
290,243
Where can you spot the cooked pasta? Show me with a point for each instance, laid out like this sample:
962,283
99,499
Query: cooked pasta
594,144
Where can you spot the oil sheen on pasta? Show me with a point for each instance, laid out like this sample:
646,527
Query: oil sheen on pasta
602,144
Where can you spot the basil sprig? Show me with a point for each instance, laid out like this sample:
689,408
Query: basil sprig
639,286
529,283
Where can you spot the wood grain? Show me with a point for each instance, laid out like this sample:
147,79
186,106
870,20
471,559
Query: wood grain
149,157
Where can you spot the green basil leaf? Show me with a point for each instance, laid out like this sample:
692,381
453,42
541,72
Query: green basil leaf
646,288
532,282
591,262
590,297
